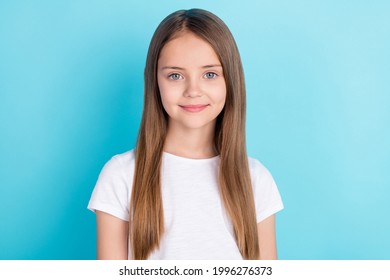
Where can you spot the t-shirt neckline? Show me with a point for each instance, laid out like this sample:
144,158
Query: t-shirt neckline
175,157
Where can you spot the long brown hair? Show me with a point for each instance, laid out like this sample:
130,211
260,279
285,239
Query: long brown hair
146,209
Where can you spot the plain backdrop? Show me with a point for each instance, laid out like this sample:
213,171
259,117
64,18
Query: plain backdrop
318,115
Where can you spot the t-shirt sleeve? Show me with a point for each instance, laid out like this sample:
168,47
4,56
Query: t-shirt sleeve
267,197
111,192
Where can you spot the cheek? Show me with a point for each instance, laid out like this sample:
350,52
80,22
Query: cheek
167,96
220,96
169,92
160,85
163,91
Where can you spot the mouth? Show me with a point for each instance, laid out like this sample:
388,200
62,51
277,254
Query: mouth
194,108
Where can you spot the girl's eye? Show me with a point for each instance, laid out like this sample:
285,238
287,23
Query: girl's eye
175,76
210,75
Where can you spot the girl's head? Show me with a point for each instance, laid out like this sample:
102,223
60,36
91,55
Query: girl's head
184,41
192,60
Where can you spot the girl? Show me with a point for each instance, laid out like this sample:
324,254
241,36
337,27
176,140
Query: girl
188,190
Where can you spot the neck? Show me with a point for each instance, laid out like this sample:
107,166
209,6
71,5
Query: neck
187,142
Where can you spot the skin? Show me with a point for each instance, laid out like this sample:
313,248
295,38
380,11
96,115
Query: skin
189,72
112,237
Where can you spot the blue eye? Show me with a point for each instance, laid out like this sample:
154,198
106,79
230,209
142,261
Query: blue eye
210,75
175,76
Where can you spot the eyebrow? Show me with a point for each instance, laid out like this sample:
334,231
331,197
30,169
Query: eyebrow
181,68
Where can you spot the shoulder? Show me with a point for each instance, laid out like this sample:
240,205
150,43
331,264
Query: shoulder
257,169
265,191
124,159
120,163
263,183
118,172
113,187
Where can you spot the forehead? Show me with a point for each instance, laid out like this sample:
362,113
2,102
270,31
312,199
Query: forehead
187,50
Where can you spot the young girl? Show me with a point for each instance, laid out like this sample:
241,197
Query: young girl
188,190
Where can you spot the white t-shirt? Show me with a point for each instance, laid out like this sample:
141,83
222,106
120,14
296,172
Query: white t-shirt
195,221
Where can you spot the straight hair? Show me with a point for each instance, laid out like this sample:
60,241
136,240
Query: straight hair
146,220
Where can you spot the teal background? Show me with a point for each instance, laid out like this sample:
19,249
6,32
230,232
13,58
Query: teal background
318,85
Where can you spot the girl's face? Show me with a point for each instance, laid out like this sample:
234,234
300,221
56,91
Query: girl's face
191,82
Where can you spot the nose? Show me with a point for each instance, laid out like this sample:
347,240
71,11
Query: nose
192,88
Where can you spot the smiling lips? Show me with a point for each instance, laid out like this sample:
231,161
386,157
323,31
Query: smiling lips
194,108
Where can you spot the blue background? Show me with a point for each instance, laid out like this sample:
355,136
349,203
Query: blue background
318,84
